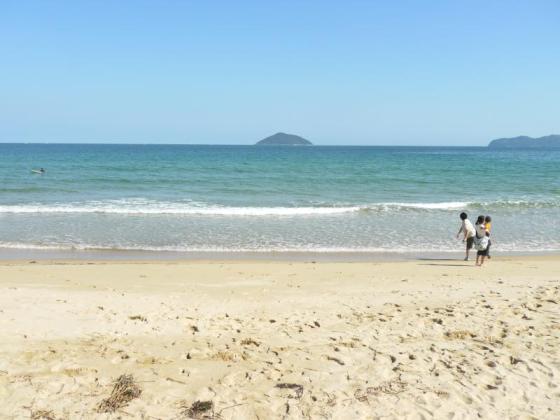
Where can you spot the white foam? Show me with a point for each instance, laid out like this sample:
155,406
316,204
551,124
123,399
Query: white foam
179,210
439,206
150,207
504,247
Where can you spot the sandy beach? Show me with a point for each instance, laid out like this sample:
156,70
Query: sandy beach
267,340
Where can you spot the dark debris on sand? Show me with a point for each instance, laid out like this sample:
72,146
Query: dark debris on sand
199,410
295,387
124,391
42,415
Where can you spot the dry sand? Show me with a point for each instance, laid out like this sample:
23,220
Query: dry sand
262,340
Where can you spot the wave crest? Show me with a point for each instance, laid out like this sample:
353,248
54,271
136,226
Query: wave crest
147,207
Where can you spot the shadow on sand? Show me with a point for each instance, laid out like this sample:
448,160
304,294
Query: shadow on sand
442,262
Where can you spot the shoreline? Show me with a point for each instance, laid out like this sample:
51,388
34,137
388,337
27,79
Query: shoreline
10,254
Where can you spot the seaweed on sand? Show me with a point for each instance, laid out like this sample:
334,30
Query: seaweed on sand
249,342
199,410
124,391
42,415
295,387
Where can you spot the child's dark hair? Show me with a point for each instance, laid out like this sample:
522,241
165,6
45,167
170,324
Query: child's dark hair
463,216
480,220
487,219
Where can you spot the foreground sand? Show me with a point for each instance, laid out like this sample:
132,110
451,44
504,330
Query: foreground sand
282,340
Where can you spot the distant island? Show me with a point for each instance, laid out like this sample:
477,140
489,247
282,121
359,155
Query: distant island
283,139
525,142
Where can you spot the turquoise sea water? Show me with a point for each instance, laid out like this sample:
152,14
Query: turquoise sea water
246,198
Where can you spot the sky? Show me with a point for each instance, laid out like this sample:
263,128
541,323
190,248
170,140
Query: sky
233,72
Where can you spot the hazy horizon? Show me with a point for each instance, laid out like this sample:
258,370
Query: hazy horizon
406,74
164,143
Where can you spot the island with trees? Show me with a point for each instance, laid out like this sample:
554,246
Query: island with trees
283,139
525,142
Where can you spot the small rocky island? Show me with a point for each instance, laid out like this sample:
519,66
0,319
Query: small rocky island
525,142
283,139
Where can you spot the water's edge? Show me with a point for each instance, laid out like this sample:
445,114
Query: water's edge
8,255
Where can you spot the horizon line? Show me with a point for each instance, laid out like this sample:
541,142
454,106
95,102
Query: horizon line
234,144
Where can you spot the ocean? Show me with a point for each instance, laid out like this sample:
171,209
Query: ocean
232,199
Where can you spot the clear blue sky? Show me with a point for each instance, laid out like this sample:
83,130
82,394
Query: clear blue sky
345,72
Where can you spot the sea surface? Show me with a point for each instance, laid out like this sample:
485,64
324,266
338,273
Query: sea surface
190,198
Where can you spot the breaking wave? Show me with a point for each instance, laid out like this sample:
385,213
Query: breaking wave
148,207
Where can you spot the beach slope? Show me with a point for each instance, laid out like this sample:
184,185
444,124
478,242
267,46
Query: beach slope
262,340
